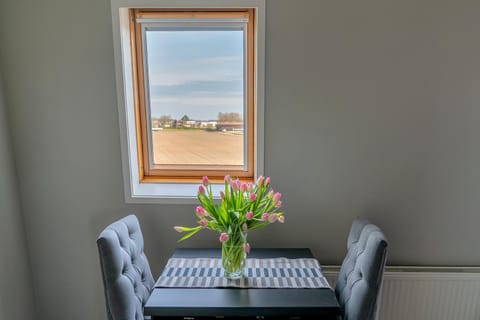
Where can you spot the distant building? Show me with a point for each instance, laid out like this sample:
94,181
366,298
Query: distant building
230,126
208,124
189,124
156,123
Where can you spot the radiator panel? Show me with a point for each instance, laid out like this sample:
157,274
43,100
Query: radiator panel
419,293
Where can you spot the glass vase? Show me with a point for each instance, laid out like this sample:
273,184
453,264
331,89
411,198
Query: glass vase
234,255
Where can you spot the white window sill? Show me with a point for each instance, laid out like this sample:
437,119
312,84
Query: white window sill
167,193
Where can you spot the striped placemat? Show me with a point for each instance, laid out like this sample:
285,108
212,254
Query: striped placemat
259,273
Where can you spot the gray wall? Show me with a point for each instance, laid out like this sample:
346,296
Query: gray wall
16,290
372,109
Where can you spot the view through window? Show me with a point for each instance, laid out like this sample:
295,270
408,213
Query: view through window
196,95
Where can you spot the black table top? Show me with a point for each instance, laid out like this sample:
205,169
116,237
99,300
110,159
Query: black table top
186,303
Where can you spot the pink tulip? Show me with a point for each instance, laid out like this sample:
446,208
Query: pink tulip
276,197
243,187
281,219
235,185
203,223
244,227
200,211
249,187
228,179
265,217
267,181
270,194
223,237
260,181
222,194
249,215
272,218
201,190
279,204
246,248
205,181
253,197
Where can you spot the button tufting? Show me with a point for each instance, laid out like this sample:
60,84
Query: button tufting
126,237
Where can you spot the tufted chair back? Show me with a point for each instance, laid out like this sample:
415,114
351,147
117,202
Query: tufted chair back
360,278
127,278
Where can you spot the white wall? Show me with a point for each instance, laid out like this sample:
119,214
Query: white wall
16,290
371,109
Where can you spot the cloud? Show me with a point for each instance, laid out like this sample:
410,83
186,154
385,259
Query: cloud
221,59
199,101
214,68
203,87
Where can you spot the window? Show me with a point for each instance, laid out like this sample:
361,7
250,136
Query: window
194,93
190,91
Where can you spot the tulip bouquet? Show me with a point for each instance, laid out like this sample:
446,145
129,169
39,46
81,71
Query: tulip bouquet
243,207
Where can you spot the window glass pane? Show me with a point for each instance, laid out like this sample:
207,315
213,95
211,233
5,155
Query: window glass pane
196,94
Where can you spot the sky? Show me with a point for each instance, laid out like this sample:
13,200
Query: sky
195,73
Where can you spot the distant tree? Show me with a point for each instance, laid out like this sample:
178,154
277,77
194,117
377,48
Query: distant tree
185,118
229,117
165,119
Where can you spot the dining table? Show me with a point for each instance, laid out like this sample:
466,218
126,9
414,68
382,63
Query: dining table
279,283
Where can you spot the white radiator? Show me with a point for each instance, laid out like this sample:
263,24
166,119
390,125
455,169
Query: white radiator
426,293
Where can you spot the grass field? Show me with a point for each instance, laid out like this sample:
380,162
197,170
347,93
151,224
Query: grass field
197,147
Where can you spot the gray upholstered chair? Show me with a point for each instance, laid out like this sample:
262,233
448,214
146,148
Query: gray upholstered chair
127,278
359,281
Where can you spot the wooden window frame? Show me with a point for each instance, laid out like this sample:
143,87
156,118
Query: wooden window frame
187,173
